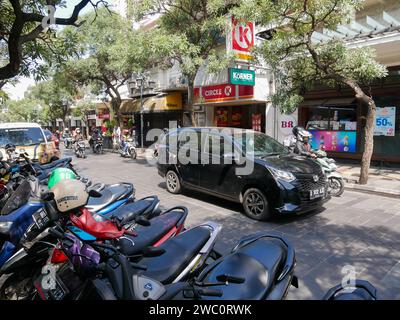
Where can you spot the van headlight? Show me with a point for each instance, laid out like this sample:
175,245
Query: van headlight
5,226
283,175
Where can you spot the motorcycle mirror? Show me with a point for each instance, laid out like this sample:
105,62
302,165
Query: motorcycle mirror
94,193
153,252
142,221
229,278
47,196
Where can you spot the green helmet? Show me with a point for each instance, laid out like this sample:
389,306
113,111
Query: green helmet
60,174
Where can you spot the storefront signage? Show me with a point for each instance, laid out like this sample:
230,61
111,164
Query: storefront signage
286,124
339,141
240,39
223,92
385,121
242,76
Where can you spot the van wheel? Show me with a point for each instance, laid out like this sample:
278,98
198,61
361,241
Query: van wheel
173,183
256,205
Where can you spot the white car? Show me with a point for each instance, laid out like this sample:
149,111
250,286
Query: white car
30,138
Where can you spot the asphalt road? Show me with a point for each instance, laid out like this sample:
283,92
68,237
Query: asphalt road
356,230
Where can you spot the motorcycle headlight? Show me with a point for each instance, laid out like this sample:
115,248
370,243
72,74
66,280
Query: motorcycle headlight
5,226
283,175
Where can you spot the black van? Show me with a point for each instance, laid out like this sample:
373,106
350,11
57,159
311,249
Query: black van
244,166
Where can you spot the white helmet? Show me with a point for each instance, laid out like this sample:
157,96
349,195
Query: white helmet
70,195
78,130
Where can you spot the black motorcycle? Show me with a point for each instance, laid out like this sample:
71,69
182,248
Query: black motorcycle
260,267
97,145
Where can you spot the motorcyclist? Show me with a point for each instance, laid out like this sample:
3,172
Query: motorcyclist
96,135
78,135
302,146
124,141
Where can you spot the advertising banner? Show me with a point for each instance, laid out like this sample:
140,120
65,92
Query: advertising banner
385,121
240,39
339,141
222,92
242,76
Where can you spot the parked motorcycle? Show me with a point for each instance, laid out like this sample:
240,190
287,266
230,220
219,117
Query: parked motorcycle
80,149
335,179
362,290
260,267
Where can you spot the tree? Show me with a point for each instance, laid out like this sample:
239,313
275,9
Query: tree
104,51
24,110
299,61
25,39
83,109
199,27
56,94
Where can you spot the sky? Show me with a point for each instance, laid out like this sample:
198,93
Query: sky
17,92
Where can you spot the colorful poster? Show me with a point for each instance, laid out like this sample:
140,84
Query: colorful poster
339,141
221,117
385,121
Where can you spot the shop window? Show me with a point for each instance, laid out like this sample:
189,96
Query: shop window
333,128
318,118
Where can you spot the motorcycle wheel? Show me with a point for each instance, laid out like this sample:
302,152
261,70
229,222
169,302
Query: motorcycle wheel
18,286
336,187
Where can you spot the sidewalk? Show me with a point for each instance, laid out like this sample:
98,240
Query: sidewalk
382,181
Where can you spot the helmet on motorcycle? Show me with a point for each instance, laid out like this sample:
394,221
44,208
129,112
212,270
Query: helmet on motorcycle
300,133
70,195
10,147
66,130
60,174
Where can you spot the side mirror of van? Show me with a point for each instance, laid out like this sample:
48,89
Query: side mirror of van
231,157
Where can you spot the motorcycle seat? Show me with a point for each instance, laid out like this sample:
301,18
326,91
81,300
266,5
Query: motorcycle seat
259,263
179,252
109,195
131,210
149,235
53,164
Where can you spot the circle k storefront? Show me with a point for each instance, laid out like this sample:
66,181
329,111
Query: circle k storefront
240,102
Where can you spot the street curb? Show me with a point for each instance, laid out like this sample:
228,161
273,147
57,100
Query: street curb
372,190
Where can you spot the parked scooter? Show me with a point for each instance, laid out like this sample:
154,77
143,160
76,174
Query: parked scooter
335,179
260,267
80,149
362,290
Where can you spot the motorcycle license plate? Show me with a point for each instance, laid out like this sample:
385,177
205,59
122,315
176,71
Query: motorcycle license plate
317,193
56,291
41,218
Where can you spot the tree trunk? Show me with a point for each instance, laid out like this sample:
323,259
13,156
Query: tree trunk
368,130
116,104
190,102
368,142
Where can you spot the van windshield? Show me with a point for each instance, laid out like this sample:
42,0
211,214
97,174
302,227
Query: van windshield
21,136
259,144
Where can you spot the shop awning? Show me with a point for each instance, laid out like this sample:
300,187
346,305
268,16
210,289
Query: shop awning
340,102
129,107
328,102
169,102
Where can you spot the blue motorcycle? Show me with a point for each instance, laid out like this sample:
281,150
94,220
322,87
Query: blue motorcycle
25,207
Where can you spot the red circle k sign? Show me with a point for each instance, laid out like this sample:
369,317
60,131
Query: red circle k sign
242,35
